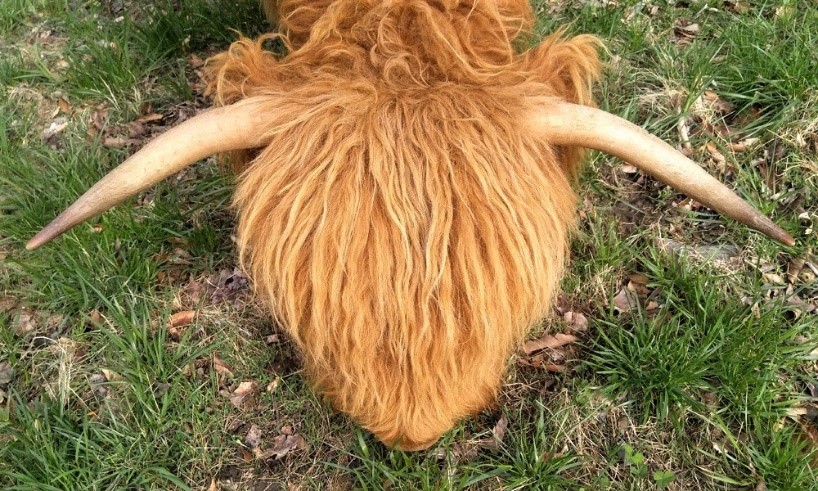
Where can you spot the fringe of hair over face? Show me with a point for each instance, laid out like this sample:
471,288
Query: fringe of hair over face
400,224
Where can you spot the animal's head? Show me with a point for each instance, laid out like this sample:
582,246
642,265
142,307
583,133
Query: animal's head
405,192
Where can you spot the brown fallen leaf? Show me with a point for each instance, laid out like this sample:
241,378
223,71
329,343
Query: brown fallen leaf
6,373
716,154
7,304
65,106
535,361
284,444
181,319
221,367
247,455
110,375
242,394
577,322
705,253
195,61
794,268
253,440
149,118
773,278
717,102
737,6
687,30
229,285
95,317
637,283
743,145
26,323
136,130
548,341
497,435
118,142
625,301
56,127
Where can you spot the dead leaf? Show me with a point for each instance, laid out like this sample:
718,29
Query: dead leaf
56,127
195,62
65,106
176,333
136,130
229,286
689,30
253,439
625,301
118,142
284,444
95,317
26,324
109,375
548,341
637,283
160,389
715,154
724,252
717,102
535,361
497,435
794,268
221,367
212,486
737,6
638,279
181,319
149,118
773,278
576,321
7,303
6,373
743,145
242,393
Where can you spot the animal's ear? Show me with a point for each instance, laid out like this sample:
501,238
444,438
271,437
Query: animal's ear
567,66
244,70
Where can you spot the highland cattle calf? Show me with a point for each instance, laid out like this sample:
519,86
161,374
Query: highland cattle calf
406,192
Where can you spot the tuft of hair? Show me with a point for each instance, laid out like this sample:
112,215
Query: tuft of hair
401,225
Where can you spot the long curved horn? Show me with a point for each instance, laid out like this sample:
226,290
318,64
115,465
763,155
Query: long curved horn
569,124
218,130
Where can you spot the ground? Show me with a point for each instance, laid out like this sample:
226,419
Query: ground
681,355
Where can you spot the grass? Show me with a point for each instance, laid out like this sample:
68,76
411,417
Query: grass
712,386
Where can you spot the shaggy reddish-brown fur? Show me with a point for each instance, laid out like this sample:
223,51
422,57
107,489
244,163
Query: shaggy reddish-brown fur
401,224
